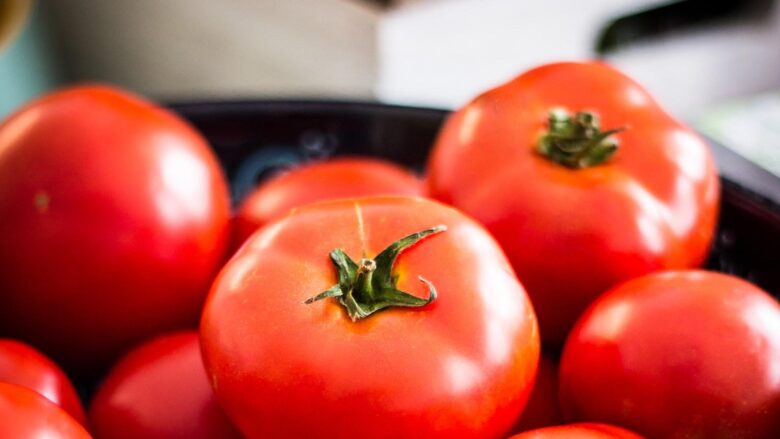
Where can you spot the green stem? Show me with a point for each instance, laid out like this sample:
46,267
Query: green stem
370,286
576,141
363,286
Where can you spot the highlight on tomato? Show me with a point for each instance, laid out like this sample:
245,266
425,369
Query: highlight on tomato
677,354
340,177
370,318
160,390
115,220
26,414
23,365
579,431
583,179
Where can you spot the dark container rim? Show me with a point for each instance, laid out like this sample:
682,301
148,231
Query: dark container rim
759,188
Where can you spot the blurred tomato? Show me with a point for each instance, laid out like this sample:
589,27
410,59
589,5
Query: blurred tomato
583,179
579,431
684,354
543,408
382,356
320,181
115,216
25,414
23,365
160,391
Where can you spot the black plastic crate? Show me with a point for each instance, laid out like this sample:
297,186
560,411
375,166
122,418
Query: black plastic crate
254,138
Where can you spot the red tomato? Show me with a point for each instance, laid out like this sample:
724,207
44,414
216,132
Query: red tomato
529,160
160,391
115,217
543,408
25,414
686,354
23,365
579,431
455,365
320,181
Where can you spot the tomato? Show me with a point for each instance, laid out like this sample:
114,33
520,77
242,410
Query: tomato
23,365
319,181
543,408
115,216
160,390
579,431
682,354
577,206
25,414
440,343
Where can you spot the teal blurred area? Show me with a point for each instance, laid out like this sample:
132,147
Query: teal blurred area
28,65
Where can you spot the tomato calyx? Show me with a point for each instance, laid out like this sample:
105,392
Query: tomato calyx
576,141
368,286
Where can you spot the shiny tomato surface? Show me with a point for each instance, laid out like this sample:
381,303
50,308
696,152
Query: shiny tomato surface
319,181
685,354
114,222
25,366
461,366
26,414
573,233
160,391
579,431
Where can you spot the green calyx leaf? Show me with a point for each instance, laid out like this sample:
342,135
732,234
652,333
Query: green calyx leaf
368,286
576,141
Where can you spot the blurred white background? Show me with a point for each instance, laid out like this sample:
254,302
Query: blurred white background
444,52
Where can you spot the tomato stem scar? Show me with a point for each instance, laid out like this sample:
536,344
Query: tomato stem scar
369,286
41,201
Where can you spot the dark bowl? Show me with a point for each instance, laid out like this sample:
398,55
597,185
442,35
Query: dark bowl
255,138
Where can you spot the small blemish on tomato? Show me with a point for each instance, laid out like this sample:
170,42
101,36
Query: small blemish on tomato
41,201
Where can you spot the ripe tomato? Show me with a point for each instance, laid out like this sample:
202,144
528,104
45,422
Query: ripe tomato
23,365
115,217
543,408
320,181
579,431
680,355
160,391
455,365
25,414
530,161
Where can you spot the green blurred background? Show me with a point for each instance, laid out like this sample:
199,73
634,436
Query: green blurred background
28,67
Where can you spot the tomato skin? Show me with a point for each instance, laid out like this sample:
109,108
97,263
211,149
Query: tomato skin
579,431
676,355
115,216
572,234
319,181
23,365
160,391
460,367
26,414
543,408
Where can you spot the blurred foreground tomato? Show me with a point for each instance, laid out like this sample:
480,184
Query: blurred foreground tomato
160,391
543,408
686,354
320,181
584,181
415,327
114,221
25,414
23,365
579,431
